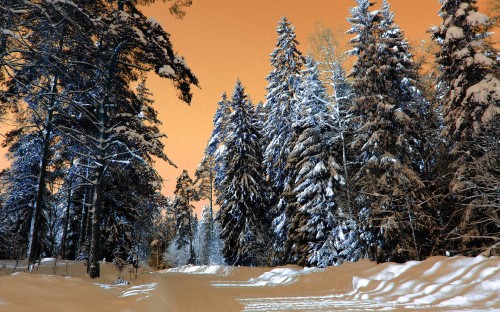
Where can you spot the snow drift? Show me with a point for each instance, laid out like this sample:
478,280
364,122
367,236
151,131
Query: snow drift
438,283
202,269
275,277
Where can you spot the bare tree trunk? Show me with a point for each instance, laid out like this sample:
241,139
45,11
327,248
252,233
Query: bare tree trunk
66,219
85,221
101,150
95,238
34,239
191,248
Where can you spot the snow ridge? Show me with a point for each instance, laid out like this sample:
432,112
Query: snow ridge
275,277
439,283
201,269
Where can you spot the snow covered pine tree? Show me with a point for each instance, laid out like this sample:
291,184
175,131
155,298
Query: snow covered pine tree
389,189
313,178
243,199
469,72
287,62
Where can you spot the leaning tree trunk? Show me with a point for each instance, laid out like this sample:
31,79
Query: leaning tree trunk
34,236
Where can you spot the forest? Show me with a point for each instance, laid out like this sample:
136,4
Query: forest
392,158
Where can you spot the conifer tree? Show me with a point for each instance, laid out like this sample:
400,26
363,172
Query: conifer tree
204,184
216,144
386,117
286,61
314,178
261,114
470,107
185,193
209,244
243,206
19,192
205,235
163,234
112,131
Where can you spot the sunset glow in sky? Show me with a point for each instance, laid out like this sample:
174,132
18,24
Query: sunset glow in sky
223,40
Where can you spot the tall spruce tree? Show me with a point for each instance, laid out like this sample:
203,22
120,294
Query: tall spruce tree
216,143
286,61
470,107
389,188
406,90
314,178
243,200
185,194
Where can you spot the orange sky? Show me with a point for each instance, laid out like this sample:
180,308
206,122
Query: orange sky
223,40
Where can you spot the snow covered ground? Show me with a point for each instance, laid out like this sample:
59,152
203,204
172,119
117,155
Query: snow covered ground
141,291
439,283
275,277
436,284
456,283
201,269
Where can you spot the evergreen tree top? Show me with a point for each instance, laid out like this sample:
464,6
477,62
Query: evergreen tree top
469,67
312,96
239,95
184,186
219,122
286,57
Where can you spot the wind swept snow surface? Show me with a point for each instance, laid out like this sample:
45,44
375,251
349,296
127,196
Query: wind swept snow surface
438,283
200,269
279,276
142,291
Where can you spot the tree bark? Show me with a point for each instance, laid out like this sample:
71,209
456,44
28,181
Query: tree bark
95,238
101,148
34,239
66,219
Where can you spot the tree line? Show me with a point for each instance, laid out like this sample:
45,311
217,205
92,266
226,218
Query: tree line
391,161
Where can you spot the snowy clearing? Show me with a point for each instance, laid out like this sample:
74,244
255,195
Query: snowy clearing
436,284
